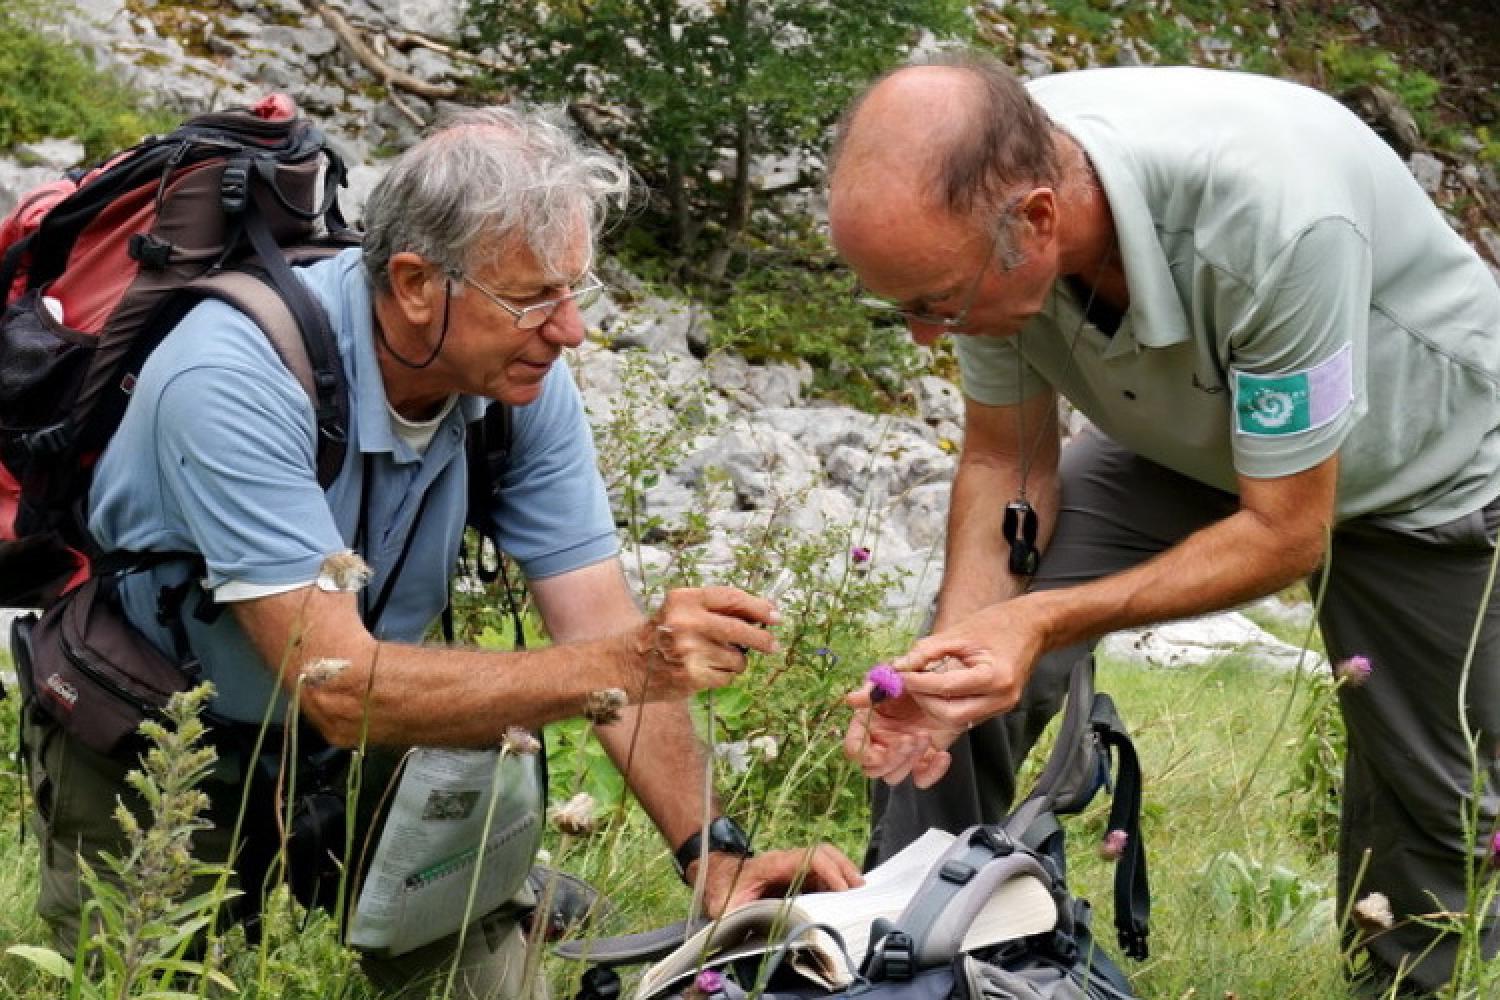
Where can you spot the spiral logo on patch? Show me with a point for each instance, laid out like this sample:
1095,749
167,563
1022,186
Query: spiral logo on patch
1272,408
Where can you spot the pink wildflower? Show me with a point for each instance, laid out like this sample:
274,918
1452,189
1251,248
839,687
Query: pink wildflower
885,682
709,982
1354,671
1112,847
1495,849
860,555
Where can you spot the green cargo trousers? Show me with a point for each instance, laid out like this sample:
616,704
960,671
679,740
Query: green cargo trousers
1407,599
74,791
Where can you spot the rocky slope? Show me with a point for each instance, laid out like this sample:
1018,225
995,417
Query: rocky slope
753,452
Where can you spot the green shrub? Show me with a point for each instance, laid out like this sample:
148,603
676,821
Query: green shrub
48,88
1351,65
805,307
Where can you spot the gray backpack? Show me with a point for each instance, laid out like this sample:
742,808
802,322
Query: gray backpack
918,955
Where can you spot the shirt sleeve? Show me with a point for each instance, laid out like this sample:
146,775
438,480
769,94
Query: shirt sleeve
553,512
1296,352
237,460
994,372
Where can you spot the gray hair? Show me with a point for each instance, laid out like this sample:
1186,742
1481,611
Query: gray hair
488,180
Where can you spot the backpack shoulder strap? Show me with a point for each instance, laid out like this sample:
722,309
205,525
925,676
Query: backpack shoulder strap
959,885
1092,744
488,451
265,306
1132,887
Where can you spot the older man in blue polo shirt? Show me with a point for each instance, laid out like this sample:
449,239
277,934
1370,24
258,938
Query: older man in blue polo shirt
477,254
1281,343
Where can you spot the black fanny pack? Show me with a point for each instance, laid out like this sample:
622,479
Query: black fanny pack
91,671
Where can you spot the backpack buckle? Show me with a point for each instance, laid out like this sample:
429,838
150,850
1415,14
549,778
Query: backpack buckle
994,838
48,441
896,957
151,251
599,983
957,872
234,186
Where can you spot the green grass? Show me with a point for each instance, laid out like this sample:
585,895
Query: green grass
1218,750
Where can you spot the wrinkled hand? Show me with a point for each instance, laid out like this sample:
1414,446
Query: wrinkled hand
954,679
733,881
698,639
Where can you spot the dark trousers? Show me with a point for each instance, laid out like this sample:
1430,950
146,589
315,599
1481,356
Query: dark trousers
1407,599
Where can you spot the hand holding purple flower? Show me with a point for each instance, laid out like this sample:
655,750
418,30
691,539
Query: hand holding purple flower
885,682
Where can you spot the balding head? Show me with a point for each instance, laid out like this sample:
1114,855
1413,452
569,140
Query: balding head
957,135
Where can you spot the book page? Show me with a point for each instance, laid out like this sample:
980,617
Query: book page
1019,907
759,927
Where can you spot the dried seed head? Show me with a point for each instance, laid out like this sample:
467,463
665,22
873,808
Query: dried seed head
322,670
575,817
1373,913
344,571
520,741
604,706
766,746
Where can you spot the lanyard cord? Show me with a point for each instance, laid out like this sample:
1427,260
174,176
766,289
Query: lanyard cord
1028,452
372,613
1019,525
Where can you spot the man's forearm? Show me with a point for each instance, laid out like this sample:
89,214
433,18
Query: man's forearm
976,568
1240,558
657,750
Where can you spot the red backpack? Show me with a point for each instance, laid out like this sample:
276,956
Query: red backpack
99,266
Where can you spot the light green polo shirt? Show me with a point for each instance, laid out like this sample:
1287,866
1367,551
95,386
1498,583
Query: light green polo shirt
1293,293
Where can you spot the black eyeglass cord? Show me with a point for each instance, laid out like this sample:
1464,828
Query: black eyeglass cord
442,335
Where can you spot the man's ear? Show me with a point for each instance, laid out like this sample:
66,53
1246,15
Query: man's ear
416,287
1038,211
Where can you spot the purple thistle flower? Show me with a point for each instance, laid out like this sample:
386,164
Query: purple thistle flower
1354,671
885,682
1495,849
860,555
709,982
1112,847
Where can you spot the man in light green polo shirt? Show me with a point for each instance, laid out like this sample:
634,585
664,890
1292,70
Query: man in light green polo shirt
1277,337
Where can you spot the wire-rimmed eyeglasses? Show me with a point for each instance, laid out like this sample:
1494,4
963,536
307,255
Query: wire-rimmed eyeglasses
955,322
583,294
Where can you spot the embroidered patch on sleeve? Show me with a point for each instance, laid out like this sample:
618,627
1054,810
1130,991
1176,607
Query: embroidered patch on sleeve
1293,402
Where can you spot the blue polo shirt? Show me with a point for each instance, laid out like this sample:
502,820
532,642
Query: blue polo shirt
216,455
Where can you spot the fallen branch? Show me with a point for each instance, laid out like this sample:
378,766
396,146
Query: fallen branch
410,40
392,77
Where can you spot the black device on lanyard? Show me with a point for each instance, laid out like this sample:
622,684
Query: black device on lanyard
1019,529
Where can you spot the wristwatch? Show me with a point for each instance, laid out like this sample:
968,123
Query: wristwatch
725,836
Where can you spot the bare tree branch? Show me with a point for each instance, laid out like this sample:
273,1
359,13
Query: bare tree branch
368,58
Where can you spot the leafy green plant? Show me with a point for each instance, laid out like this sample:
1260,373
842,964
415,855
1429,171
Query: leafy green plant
806,308
49,88
1316,781
1351,65
1268,897
143,927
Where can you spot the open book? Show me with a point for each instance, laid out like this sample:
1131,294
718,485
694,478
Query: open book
1019,907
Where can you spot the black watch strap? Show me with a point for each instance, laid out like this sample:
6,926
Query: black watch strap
725,836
